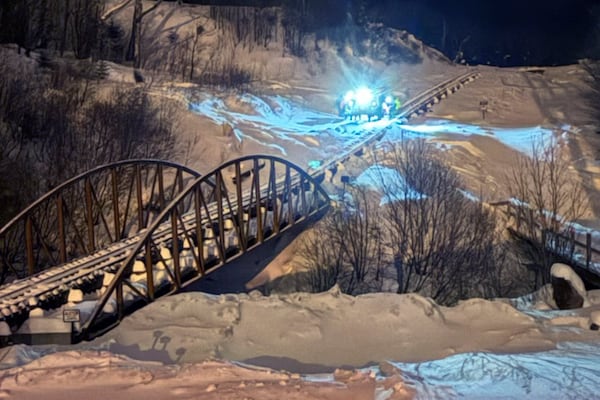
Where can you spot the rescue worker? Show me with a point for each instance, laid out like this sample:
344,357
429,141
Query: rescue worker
397,106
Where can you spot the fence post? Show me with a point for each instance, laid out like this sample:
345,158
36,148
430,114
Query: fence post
588,250
544,238
572,244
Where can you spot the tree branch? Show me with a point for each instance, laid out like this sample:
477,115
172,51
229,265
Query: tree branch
114,10
151,8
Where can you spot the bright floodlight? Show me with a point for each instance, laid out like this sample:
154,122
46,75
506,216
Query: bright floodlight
389,99
364,96
349,96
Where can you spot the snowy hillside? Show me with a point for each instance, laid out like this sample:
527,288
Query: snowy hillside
289,109
329,345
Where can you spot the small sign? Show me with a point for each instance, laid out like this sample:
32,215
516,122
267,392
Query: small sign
71,315
483,105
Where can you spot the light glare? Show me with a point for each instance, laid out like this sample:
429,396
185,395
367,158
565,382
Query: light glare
364,96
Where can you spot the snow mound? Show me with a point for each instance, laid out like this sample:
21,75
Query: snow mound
389,182
17,355
319,332
568,372
565,272
90,374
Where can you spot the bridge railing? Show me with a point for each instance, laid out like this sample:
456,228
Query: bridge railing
87,213
427,99
419,103
221,216
563,240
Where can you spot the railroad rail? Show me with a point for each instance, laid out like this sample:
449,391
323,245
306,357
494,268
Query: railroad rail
412,108
116,238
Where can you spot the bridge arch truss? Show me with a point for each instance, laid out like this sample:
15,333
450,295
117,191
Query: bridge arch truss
88,213
222,215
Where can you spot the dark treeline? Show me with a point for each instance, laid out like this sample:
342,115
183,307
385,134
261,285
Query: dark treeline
77,26
56,121
54,125
242,3
73,26
81,28
507,33
500,33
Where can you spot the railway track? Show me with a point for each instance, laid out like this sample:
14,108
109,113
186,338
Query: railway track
248,211
413,107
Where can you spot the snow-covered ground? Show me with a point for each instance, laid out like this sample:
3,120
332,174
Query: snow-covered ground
199,346
501,349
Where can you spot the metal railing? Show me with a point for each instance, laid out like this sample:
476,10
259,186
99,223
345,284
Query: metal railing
210,223
567,243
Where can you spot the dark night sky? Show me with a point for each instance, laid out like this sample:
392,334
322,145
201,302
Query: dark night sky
531,31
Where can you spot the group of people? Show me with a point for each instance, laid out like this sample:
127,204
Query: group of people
355,105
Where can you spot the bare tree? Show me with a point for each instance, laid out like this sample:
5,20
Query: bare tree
52,25
135,41
592,67
443,243
547,199
84,26
199,30
54,129
427,235
347,248
324,265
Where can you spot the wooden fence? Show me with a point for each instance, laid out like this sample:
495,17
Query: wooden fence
574,245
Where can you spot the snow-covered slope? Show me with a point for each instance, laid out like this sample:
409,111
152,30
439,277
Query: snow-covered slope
478,349
521,348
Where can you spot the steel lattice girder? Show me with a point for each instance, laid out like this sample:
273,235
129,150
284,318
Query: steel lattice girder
221,216
89,212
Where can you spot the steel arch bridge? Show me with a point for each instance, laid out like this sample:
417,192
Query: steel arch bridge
130,232
88,213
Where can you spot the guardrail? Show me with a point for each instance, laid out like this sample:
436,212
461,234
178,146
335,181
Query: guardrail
431,97
423,100
573,245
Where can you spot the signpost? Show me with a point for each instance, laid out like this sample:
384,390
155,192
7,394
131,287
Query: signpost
71,315
483,105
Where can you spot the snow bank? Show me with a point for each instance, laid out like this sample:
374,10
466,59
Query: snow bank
101,375
327,330
520,139
409,346
565,272
568,372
